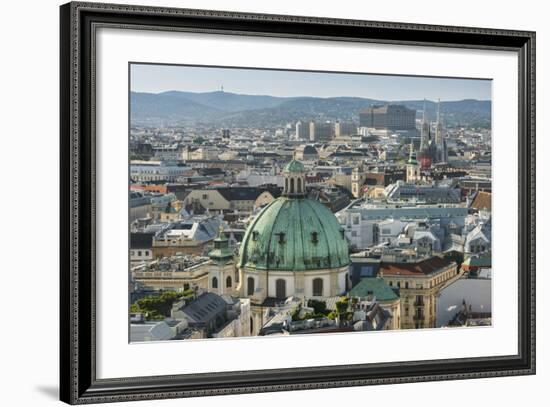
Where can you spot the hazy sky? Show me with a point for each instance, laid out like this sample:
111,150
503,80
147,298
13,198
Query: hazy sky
160,78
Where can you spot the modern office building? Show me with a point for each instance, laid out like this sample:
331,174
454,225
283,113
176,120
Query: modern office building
321,131
302,130
388,117
342,129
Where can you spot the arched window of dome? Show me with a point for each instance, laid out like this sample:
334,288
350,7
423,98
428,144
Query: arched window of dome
300,185
228,282
214,282
292,185
250,286
280,288
286,184
317,287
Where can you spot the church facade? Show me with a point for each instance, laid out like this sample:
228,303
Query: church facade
432,149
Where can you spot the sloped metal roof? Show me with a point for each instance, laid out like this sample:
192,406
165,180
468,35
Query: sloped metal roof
294,234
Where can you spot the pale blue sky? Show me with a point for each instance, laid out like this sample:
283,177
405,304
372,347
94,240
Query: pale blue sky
160,78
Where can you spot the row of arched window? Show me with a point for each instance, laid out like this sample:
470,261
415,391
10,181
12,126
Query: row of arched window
280,287
291,188
228,282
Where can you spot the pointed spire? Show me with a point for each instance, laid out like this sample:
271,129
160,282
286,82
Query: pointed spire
424,111
424,130
412,160
438,111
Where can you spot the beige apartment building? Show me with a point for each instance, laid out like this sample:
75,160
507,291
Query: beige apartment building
241,199
419,284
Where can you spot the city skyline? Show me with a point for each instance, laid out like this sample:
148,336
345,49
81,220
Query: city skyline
156,78
253,215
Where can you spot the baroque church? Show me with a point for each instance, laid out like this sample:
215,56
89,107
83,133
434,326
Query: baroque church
295,247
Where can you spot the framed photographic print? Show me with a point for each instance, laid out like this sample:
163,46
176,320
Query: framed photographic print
256,203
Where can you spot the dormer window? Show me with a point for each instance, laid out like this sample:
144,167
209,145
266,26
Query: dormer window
314,238
255,235
281,237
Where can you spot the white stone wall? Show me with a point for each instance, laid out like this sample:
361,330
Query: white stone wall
334,282
342,276
288,276
308,289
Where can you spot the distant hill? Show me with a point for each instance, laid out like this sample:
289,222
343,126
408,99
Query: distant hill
231,109
173,107
226,101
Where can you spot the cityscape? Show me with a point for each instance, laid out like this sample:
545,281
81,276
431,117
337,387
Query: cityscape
269,202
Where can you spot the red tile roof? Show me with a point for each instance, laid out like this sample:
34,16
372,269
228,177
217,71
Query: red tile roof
423,267
482,201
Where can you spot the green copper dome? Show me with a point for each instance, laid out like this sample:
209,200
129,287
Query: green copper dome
294,166
294,234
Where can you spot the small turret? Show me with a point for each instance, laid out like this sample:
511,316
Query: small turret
295,179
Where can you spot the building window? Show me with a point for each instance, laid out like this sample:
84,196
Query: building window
292,185
228,282
314,238
318,287
204,196
214,282
406,284
250,286
147,252
139,253
280,288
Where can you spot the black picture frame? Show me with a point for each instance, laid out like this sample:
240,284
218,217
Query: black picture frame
78,382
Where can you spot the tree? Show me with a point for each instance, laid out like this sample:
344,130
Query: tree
342,305
342,308
156,307
455,256
295,315
319,307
